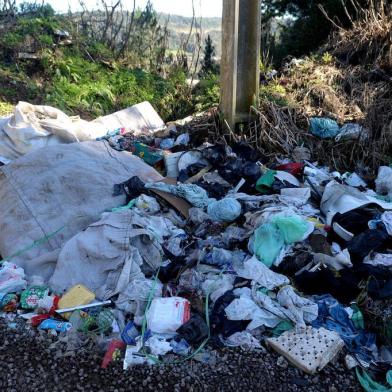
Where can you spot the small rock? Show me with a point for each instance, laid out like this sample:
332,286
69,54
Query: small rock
281,362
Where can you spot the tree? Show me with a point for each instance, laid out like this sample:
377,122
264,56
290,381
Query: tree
305,27
208,65
36,9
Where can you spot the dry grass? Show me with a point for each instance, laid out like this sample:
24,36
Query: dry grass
369,40
355,85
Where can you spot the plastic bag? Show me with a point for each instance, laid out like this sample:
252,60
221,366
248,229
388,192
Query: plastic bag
302,309
234,234
369,385
158,346
134,298
352,131
166,144
197,215
387,220
293,228
12,278
222,257
225,210
244,340
264,183
147,204
173,245
269,239
258,272
266,243
166,315
182,139
217,285
324,127
245,308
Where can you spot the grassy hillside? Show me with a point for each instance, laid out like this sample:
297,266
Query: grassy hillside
87,78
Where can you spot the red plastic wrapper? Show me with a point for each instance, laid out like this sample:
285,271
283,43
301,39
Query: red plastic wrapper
295,169
112,352
37,320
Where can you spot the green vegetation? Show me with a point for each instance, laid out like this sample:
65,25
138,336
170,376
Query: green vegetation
93,89
274,92
5,108
207,92
208,65
96,73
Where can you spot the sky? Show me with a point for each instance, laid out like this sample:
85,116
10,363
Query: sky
205,8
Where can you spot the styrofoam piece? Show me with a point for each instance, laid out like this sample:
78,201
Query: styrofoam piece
310,350
137,118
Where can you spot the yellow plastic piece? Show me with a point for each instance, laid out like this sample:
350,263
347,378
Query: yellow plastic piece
317,223
75,296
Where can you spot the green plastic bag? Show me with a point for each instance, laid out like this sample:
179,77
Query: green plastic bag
264,183
283,326
267,243
369,385
357,317
293,228
269,239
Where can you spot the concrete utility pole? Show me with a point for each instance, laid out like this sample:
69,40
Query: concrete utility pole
241,25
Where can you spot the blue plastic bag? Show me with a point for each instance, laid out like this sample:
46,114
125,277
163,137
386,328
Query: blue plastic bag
324,127
225,210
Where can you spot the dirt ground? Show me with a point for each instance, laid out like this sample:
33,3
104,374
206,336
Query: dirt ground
29,364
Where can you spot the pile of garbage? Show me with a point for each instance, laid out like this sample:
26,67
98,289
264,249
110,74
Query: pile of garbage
163,249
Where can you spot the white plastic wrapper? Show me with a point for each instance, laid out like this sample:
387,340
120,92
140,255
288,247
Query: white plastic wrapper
166,315
255,270
158,346
147,204
244,340
133,357
12,278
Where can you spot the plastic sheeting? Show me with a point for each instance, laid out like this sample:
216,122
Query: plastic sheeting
31,127
264,311
63,187
343,198
254,270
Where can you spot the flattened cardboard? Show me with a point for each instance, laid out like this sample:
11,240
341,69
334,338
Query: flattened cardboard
179,204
